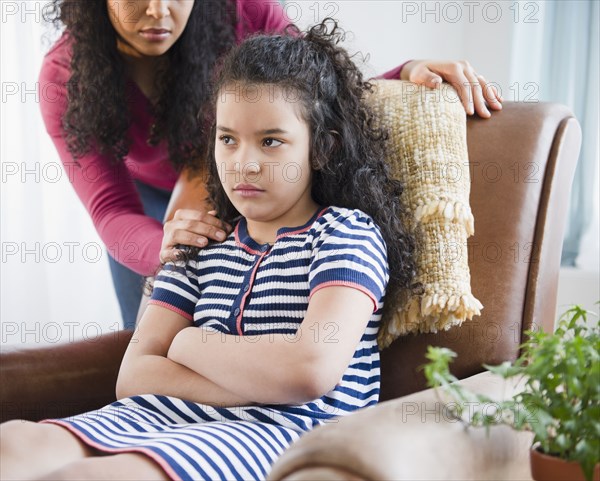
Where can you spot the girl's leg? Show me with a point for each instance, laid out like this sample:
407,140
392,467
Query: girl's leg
30,450
126,466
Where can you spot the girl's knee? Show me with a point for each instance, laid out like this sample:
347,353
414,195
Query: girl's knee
20,430
30,450
116,466
13,425
19,435
73,471
16,432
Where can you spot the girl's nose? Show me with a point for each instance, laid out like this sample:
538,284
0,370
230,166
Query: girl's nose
251,168
158,9
247,161
250,171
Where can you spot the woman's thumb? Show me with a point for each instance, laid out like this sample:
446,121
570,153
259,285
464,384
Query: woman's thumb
434,80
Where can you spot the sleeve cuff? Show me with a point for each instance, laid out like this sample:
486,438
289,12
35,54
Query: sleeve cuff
394,74
353,285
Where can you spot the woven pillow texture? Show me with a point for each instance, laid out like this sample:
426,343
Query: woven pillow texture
428,152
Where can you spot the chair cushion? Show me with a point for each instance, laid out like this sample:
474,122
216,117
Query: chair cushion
428,153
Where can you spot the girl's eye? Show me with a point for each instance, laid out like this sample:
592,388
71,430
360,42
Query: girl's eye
226,140
272,142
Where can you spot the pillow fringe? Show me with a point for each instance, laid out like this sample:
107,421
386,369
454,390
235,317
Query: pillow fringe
429,314
452,211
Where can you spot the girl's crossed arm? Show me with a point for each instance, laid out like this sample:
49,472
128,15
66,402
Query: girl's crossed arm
145,368
281,369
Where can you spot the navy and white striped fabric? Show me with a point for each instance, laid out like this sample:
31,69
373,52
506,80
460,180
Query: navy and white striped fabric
240,287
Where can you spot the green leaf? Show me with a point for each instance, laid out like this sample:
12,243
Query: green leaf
504,370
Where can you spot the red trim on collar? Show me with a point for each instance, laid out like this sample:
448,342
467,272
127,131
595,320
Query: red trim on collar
303,229
239,243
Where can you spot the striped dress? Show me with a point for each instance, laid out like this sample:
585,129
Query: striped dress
241,288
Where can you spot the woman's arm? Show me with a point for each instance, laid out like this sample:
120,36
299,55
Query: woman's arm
275,368
106,189
189,193
146,370
188,218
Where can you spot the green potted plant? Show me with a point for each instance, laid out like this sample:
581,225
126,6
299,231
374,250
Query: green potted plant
559,403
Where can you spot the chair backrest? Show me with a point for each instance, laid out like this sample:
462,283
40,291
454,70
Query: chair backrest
522,163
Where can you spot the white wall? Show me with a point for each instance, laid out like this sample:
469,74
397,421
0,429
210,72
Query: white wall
54,282
391,32
578,286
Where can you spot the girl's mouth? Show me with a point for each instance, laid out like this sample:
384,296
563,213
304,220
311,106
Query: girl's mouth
248,190
155,34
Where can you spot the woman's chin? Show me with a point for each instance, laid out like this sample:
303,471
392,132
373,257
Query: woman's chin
143,49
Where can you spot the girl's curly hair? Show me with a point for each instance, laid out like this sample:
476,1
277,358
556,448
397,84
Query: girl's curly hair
348,148
98,112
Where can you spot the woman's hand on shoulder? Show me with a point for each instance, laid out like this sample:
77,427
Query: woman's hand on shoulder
473,89
193,228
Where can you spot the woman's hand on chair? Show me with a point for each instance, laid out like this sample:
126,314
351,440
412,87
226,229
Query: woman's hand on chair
473,89
193,228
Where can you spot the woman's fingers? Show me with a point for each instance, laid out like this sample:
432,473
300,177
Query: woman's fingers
463,88
193,232
192,228
168,255
476,94
202,217
186,237
474,91
490,93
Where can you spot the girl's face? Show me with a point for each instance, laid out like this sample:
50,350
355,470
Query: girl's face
148,27
262,155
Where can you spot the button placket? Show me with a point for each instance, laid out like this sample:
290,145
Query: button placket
246,294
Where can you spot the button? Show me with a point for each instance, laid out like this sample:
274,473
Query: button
265,248
246,287
236,312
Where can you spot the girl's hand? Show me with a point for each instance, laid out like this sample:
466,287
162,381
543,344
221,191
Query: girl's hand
473,89
193,228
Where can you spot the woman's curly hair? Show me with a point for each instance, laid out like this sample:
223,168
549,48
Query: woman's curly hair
98,113
348,148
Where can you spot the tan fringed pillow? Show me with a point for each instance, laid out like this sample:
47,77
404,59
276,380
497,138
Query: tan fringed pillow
428,153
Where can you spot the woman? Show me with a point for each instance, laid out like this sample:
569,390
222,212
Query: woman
130,77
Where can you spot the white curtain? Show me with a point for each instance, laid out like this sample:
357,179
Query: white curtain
55,280
555,58
571,56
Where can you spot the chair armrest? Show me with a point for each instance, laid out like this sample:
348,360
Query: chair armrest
410,438
60,380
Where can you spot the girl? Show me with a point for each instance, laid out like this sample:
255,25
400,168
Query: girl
249,343
123,88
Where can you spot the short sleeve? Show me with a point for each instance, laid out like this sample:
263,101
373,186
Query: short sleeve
176,288
352,254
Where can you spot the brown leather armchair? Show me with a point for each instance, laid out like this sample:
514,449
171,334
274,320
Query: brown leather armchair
522,164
